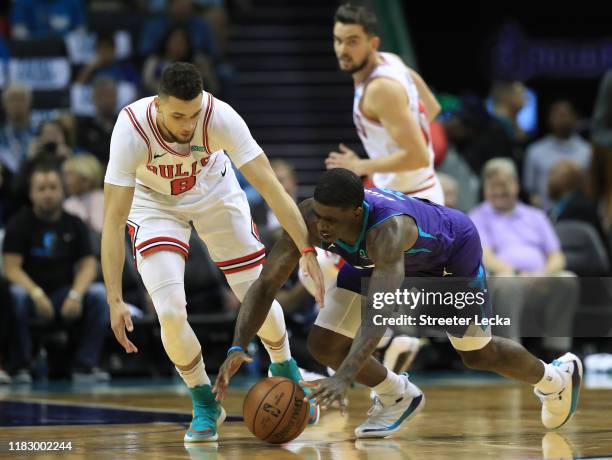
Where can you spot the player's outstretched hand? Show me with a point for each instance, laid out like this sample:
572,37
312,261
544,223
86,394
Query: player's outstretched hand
310,267
227,370
326,391
120,321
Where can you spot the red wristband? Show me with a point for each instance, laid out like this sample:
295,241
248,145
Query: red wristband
309,249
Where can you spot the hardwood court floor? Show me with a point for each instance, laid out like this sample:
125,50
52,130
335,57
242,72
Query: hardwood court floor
487,420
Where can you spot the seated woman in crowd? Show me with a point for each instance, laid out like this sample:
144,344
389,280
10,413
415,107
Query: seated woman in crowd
83,179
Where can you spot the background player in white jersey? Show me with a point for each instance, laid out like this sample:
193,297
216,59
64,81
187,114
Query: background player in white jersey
168,168
392,110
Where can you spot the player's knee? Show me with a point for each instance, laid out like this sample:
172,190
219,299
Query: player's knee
172,319
170,307
327,347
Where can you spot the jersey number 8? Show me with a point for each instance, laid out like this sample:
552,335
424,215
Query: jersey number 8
182,184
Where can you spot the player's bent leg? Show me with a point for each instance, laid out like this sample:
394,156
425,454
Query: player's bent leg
556,384
162,273
273,335
396,398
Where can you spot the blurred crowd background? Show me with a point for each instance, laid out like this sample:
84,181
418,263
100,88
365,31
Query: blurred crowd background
525,129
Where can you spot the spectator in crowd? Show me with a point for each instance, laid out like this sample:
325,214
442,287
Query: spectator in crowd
105,63
83,177
49,145
214,11
561,144
179,12
46,18
477,135
601,166
17,129
520,247
566,182
449,187
48,258
93,134
52,138
176,46
508,98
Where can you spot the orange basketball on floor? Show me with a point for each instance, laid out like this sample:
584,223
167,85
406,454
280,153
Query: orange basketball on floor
274,410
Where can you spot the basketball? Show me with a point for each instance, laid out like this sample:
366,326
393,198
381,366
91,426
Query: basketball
274,410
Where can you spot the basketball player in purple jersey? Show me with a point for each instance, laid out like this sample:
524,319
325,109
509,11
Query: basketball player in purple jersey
388,239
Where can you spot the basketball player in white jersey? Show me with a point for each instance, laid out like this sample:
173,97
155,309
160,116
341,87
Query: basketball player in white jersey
392,109
168,169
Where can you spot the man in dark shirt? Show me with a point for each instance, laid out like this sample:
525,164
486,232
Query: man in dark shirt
48,258
94,133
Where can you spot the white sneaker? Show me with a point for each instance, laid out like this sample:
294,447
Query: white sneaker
383,421
558,408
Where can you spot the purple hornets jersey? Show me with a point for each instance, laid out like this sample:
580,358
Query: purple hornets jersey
448,243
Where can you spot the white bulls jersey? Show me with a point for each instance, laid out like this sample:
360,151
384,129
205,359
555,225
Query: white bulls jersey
378,143
139,154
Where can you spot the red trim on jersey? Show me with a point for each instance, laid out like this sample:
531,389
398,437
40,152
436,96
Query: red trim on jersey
241,259
157,135
133,231
138,129
163,247
207,117
162,238
229,271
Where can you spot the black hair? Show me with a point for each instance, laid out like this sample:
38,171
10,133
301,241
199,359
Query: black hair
163,43
339,188
181,80
44,164
356,14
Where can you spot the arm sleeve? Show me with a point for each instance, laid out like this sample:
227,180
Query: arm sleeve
16,237
127,151
550,240
229,132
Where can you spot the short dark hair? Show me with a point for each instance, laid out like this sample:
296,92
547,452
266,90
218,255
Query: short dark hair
181,80
357,14
339,188
44,164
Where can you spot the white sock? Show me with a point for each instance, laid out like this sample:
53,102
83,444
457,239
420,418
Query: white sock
279,353
551,382
390,388
196,375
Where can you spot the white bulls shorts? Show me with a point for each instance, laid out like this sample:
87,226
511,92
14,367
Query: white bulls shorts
220,213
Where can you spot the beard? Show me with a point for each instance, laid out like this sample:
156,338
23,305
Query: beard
357,67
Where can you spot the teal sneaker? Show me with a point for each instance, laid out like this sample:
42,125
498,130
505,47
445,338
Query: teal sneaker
207,415
290,370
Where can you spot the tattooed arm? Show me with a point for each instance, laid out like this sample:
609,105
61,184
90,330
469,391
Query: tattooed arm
385,244
255,307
